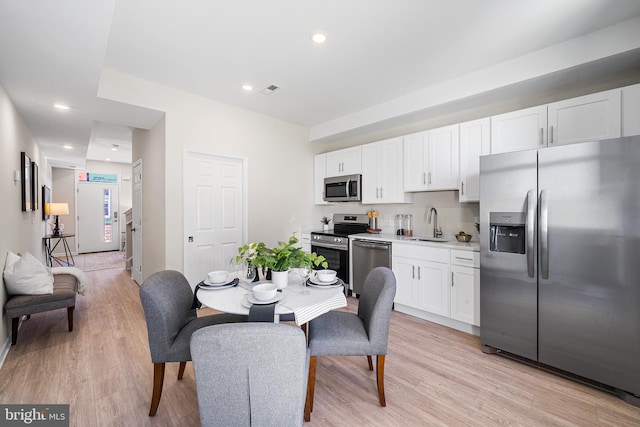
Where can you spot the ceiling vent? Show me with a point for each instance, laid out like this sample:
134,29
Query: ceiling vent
269,89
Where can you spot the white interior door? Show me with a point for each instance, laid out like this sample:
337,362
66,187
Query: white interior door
136,226
215,213
98,217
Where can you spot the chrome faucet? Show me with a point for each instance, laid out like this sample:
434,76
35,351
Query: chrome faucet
436,232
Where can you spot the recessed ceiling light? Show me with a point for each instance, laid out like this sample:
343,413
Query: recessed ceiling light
61,106
247,87
67,146
319,37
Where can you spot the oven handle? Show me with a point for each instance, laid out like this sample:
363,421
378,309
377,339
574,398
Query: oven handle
328,246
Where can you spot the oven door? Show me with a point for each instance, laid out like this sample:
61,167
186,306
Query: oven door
338,260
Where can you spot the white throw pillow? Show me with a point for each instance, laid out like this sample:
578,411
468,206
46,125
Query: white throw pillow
27,276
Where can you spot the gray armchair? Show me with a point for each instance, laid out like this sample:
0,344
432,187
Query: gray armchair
250,374
166,298
339,333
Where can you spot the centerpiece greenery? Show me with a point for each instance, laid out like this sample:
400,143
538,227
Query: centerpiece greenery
280,258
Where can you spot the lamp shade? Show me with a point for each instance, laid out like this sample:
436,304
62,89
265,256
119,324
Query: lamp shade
58,209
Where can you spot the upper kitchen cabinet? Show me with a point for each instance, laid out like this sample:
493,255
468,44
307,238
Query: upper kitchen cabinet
519,130
474,142
431,159
382,166
586,118
631,110
319,174
347,161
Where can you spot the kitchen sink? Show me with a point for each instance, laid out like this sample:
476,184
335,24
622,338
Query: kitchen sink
429,239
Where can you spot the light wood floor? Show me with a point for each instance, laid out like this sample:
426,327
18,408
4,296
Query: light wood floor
435,376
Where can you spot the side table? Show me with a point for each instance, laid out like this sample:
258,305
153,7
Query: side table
68,256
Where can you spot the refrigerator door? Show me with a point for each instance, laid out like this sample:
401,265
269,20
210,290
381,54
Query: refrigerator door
508,277
589,303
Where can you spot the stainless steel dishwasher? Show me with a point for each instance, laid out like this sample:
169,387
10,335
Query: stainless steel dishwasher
366,255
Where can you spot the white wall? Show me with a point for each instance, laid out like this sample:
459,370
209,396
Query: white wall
280,159
21,231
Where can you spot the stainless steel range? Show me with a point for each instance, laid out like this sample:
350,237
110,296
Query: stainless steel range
334,244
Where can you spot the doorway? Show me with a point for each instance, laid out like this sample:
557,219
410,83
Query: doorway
215,212
98,222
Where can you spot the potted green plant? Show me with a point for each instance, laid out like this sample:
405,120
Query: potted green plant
278,259
325,222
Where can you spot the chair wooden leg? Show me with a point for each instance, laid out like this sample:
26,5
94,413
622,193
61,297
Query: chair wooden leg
14,330
70,318
370,363
380,378
311,385
158,380
181,370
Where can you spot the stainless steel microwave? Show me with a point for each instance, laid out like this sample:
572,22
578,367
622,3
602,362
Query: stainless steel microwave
347,188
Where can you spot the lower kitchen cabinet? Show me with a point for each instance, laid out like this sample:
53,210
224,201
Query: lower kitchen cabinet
437,284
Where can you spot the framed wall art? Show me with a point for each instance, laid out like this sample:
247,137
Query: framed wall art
25,171
46,199
35,193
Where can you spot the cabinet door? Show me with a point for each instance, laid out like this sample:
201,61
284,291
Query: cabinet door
319,173
390,175
519,130
370,173
344,162
443,158
415,163
465,294
431,289
474,142
631,110
404,269
586,118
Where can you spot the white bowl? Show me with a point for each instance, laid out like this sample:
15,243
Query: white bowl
326,275
265,291
218,276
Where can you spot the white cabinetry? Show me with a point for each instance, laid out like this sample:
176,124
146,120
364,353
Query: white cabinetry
519,130
431,159
319,174
586,118
344,162
631,110
422,275
465,286
382,166
474,142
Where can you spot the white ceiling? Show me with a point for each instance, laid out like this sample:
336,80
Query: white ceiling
377,51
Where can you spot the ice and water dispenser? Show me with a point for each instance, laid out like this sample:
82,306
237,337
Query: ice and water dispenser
507,232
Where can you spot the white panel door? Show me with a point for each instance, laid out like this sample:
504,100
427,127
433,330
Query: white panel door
98,226
214,213
136,227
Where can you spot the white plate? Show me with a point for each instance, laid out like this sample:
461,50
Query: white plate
316,281
336,285
217,287
250,300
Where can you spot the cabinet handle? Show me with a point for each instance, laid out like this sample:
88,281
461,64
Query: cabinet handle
413,271
462,188
465,259
381,192
541,136
419,278
429,177
551,135
377,191
424,178
452,279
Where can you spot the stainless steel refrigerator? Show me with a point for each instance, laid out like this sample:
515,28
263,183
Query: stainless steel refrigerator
560,259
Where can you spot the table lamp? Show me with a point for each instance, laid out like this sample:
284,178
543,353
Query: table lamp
57,209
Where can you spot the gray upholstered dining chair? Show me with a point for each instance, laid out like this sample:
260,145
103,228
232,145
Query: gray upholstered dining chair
250,374
339,333
166,297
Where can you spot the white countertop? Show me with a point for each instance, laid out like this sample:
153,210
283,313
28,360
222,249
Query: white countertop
474,245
